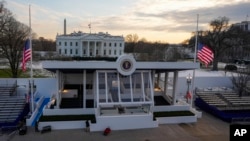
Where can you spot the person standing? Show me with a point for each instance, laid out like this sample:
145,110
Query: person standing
87,126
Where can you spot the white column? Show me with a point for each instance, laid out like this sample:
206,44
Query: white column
142,86
106,87
175,87
94,53
96,88
84,89
166,83
88,48
153,80
119,92
101,53
57,89
151,87
131,89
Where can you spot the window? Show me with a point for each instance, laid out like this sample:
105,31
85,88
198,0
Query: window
120,44
65,51
104,45
65,43
59,43
120,52
110,44
70,43
76,43
104,52
76,51
96,52
70,51
115,44
84,51
109,52
90,52
60,51
114,52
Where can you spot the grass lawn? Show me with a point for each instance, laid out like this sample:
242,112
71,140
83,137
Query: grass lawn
6,73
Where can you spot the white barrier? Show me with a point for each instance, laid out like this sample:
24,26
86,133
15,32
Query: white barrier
55,125
124,122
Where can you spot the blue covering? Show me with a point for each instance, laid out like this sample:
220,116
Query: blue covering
40,111
226,115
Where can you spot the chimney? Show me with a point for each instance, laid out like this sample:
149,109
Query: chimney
64,27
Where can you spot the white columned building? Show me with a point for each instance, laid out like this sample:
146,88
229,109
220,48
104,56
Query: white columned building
90,45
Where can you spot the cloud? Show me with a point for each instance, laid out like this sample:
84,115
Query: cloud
157,18
180,20
152,19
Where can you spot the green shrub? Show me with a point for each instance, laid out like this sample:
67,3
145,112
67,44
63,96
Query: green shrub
173,114
68,118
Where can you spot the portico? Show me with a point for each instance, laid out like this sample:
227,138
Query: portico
122,90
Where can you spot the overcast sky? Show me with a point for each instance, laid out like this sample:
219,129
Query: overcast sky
169,21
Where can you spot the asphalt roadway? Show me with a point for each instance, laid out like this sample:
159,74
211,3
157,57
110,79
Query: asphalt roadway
208,128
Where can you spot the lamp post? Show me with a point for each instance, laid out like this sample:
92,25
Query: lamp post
189,79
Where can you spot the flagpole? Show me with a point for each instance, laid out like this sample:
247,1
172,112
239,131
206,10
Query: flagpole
31,68
195,56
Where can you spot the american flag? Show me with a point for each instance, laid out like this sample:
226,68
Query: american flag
205,54
26,54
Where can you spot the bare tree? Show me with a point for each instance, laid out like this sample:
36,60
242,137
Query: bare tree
216,38
240,80
12,37
220,38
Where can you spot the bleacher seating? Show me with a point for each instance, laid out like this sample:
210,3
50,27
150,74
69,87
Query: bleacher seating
237,101
11,106
223,103
213,99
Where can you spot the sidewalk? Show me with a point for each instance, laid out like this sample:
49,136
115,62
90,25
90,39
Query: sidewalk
206,129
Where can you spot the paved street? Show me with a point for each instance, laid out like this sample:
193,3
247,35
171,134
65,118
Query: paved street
206,129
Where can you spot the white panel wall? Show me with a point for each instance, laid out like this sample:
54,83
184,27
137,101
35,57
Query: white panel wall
44,86
203,82
123,122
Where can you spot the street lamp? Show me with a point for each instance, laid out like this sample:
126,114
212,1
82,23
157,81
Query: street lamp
189,80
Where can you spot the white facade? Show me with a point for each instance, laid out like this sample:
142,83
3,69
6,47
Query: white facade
244,25
90,45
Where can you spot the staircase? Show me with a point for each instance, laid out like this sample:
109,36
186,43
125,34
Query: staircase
11,106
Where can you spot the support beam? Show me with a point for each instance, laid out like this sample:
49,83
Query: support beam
94,52
119,89
166,83
96,89
175,82
142,86
88,48
131,89
58,92
84,89
106,87
151,89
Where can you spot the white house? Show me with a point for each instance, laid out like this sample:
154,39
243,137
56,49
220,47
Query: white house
90,45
